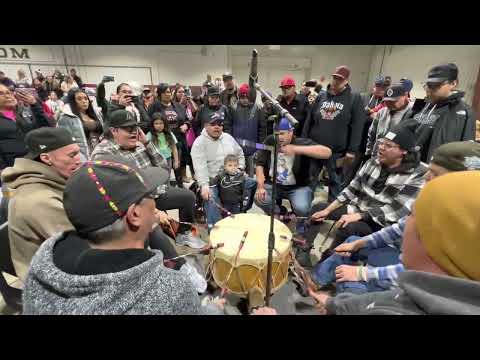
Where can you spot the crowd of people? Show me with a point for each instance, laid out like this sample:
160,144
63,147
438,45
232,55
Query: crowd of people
86,190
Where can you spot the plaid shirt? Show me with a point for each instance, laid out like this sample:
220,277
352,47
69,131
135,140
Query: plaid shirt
389,236
144,156
392,203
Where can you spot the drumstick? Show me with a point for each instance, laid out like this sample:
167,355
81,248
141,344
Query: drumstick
294,239
222,209
204,251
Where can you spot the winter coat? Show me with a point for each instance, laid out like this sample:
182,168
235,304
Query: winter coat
81,134
299,108
35,211
442,123
248,123
12,133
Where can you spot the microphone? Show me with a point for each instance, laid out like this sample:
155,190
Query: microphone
284,113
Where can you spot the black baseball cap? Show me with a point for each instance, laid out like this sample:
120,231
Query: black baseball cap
442,73
394,91
213,91
101,191
121,118
380,81
227,75
47,139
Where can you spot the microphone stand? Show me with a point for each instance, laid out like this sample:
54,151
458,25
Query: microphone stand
284,113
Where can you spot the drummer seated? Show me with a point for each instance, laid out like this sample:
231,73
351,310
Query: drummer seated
295,160
381,194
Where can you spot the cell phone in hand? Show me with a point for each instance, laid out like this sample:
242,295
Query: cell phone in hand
108,79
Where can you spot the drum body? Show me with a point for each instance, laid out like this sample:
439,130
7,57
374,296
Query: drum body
240,271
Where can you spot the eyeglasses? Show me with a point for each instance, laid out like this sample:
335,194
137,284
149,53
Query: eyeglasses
130,129
433,86
387,144
6,93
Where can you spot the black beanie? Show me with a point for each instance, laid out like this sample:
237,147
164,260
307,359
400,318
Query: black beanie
403,136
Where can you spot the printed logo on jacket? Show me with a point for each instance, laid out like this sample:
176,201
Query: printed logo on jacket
330,109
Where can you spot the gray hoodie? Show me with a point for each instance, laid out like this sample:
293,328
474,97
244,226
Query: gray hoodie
420,293
208,155
146,289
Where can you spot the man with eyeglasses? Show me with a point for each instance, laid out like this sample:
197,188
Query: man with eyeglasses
126,139
443,116
381,193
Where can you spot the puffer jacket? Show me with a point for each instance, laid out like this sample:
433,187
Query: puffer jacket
81,134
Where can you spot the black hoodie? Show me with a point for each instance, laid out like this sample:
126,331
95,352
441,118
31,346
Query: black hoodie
336,121
441,123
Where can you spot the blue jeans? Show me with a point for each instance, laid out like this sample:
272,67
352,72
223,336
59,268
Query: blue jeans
213,213
324,272
335,177
300,197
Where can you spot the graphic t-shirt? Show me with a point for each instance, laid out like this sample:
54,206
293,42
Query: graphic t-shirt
162,145
285,174
171,115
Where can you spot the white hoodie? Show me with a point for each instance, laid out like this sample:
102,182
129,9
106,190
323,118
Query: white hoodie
208,155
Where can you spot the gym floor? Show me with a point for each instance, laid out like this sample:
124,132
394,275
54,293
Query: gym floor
286,300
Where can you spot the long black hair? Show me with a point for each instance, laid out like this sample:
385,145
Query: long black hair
73,105
166,129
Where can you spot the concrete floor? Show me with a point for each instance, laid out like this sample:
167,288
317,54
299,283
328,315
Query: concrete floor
286,300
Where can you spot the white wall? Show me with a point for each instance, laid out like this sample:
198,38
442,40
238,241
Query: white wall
169,63
414,61
356,57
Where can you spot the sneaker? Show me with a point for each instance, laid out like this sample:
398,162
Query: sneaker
198,281
187,239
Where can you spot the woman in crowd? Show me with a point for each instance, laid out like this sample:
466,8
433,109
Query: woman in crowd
55,104
52,84
68,84
79,117
163,139
22,79
42,93
178,123
183,96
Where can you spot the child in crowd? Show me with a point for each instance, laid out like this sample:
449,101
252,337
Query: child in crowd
164,140
231,185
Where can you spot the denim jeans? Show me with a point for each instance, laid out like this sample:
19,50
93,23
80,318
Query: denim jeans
324,272
335,177
213,213
300,197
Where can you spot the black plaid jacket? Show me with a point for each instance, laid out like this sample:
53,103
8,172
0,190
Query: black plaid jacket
393,202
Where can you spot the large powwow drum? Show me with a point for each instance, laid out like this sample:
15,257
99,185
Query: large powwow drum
241,268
